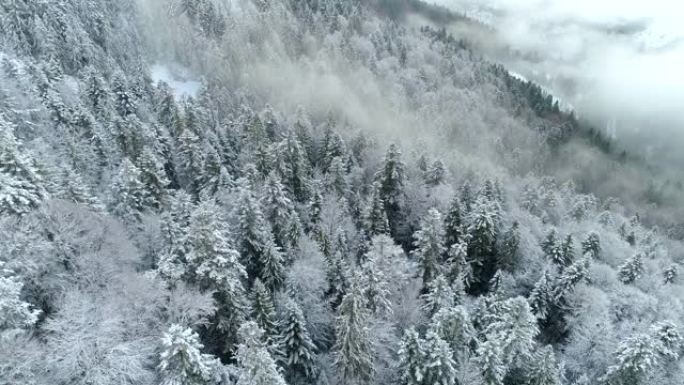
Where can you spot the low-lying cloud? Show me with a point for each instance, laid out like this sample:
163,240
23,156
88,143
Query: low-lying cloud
618,62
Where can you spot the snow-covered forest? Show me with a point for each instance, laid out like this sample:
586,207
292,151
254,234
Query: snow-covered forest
333,192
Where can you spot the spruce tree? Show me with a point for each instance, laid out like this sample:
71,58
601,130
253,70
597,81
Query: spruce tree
391,179
631,269
553,249
453,224
295,342
454,326
376,221
353,347
439,296
15,314
376,285
153,177
182,362
543,368
509,250
256,366
21,185
281,213
263,310
190,162
412,359
429,243
592,245
670,274
483,228
128,193
293,167
440,367
260,254
215,266
435,174
124,100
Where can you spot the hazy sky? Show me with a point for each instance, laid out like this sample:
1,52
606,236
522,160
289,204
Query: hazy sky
622,59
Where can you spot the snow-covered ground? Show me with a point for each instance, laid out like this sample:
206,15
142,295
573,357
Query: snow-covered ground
177,78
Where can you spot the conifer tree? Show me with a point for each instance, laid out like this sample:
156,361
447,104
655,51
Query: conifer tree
543,368
337,274
153,177
298,349
632,269
453,224
256,366
293,167
483,223
335,179
129,193
391,179
435,174
190,162
281,213
124,100
440,367
96,93
467,198
15,314
670,274
439,296
263,310
376,218
508,252
260,255
353,347
215,266
429,243
21,186
182,362
412,358
74,189
454,326
553,250
592,245
376,284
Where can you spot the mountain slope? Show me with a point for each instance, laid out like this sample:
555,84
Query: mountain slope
346,199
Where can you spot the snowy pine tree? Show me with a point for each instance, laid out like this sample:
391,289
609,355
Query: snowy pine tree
412,359
429,243
263,310
256,366
129,193
440,367
182,362
295,342
353,347
21,186
632,269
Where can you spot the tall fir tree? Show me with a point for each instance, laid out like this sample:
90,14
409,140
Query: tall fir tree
298,350
256,366
391,178
412,359
182,362
353,348
483,229
260,254
429,243
21,184
280,211
129,193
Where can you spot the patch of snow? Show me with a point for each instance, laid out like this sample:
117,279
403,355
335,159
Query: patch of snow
177,78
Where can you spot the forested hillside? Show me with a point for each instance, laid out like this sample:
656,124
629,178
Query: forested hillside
268,192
